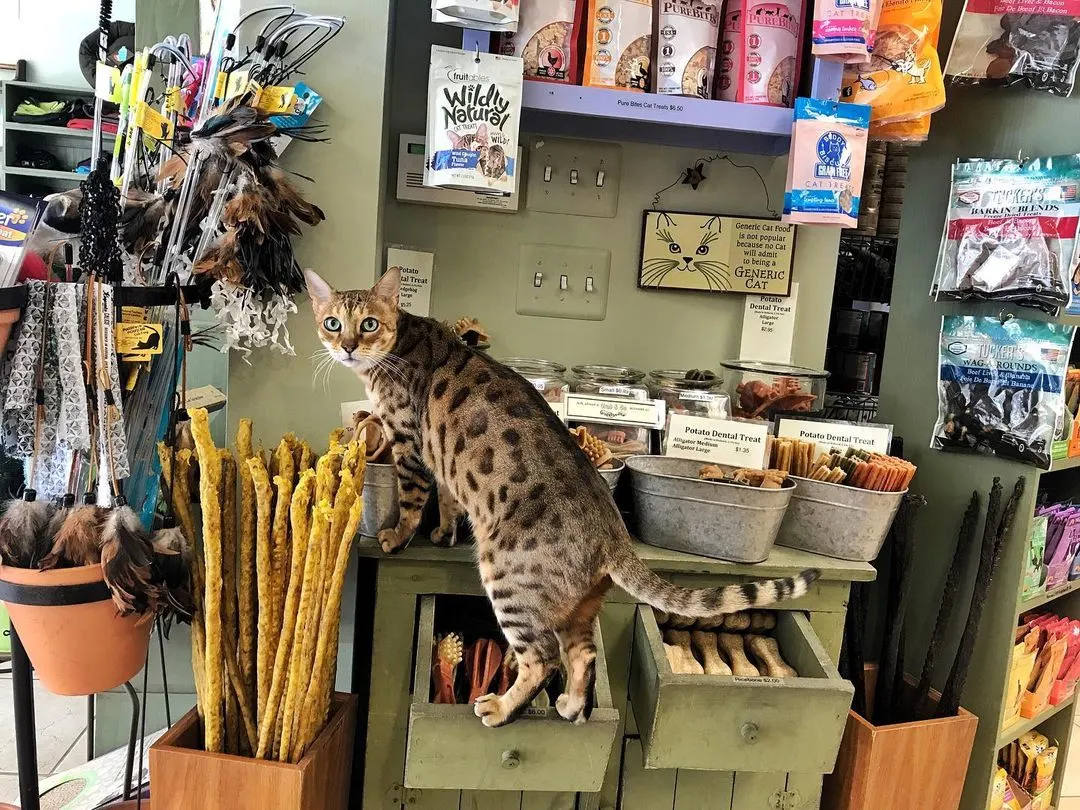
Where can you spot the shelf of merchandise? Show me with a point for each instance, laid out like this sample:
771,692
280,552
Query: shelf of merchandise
600,113
1016,729
56,131
1049,596
48,174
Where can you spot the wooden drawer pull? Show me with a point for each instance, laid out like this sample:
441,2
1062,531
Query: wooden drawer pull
510,760
749,732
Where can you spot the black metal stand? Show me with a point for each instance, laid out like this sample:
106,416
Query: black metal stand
22,684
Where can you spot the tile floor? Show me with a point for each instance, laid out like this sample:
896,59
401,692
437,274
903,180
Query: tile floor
61,737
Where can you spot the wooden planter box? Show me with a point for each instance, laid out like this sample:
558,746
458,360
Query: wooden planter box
183,776
920,764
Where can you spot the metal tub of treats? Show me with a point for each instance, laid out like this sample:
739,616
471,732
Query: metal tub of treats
380,499
838,521
675,509
612,473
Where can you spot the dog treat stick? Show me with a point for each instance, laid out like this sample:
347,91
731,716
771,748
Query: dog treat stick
245,568
688,665
767,652
737,621
674,657
264,577
230,642
740,665
284,482
705,645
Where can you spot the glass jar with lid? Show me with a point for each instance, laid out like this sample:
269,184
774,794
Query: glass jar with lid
696,392
547,377
759,390
620,382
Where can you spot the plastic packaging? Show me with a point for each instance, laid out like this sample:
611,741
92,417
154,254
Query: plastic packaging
1011,231
474,109
1001,386
484,15
903,78
759,52
841,29
759,390
1033,43
825,166
547,39
686,47
619,44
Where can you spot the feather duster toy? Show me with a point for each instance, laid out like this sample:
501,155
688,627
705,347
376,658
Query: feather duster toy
170,574
126,555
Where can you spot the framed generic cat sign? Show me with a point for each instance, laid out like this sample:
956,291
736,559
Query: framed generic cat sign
713,253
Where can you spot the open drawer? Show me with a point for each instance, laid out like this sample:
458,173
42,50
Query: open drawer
725,723
449,748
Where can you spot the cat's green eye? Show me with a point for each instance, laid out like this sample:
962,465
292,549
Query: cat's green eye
674,247
331,324
369,325
703,250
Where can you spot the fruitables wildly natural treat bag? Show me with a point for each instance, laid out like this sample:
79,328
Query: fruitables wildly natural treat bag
903,77
825,166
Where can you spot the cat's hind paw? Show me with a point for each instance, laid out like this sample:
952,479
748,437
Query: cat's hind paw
491,709
390,541
443,537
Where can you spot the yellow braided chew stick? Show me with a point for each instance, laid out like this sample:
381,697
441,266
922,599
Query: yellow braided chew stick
230,642
286,471
210,500
317,701
264,650
306,623
346,494
181,499
301,501
245,568
307,457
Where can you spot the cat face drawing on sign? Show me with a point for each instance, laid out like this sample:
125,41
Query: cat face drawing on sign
685,252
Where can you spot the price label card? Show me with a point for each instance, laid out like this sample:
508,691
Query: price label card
873,438
611,411
717,441
768,327
138,338
417,268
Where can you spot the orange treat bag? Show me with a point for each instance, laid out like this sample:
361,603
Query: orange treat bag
903,78
619,44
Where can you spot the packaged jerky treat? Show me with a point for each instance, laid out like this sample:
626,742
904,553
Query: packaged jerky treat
1001,386
686,47
474,108
1032,44
547,39
1011,231
619,44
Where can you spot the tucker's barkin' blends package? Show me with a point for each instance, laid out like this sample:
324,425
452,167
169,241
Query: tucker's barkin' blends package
825,165
547,39
759,51
688,31
619,44
474,109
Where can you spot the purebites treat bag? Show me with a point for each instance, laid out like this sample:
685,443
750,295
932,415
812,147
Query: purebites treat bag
1001,386
825,166
474,108
759,51
688,31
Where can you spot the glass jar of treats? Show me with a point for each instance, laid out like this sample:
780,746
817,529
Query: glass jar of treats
697,392
620,382
759,390
546,377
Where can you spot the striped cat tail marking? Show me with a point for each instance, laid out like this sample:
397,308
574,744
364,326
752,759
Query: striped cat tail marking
641,582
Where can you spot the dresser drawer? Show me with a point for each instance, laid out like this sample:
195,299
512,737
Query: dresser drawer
725,723
449,748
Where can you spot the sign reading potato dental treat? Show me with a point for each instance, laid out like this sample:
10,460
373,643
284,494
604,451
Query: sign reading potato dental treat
837,435
417,268
717,441
711,253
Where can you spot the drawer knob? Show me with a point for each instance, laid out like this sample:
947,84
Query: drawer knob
510,760
749,732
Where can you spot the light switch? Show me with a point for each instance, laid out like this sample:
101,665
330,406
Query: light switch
583,281
600,179
573,177
563,282
538,280
589,287
569,176
547,174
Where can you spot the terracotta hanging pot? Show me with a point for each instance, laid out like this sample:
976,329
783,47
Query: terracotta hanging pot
70,629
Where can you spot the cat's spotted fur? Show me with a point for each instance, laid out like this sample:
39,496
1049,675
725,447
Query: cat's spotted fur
549,539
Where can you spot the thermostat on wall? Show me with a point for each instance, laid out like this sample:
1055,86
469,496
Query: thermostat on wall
411,188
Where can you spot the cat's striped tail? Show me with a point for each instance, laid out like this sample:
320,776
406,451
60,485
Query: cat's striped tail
641,582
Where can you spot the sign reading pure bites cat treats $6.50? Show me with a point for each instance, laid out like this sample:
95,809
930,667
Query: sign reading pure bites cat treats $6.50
713,253
473,113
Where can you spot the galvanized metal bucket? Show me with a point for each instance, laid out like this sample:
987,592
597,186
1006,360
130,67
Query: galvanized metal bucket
380,499
838,521
612,476
677,510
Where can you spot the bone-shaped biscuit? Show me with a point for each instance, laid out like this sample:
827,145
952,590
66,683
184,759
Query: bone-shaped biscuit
705,646
686,663
732,645
767,652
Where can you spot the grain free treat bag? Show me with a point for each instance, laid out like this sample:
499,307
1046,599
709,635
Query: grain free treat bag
547,39
1001,386
825,165
474,108
619,44
688,31
1011,231
1032,44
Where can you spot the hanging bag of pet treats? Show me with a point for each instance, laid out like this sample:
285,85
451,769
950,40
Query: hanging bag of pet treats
903,78
1027,44
1001,386
474,108
759,51
485,15
841,30
685,47
619,44
825,166
547,39
1011,231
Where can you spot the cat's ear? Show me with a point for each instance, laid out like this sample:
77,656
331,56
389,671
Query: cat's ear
388,287
317,288
455,139
481,132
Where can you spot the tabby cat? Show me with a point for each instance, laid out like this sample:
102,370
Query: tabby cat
549,539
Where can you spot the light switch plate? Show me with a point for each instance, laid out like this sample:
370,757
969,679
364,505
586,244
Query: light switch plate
552,262
562,156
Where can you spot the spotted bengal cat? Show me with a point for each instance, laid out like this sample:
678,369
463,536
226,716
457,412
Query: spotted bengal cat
549,539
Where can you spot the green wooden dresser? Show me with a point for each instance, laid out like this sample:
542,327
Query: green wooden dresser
656,740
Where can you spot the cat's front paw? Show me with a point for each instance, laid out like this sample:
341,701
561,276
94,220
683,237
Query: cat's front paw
491,709
391,542
571,708
444,537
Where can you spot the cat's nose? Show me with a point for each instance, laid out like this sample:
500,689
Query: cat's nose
349,347
686,259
